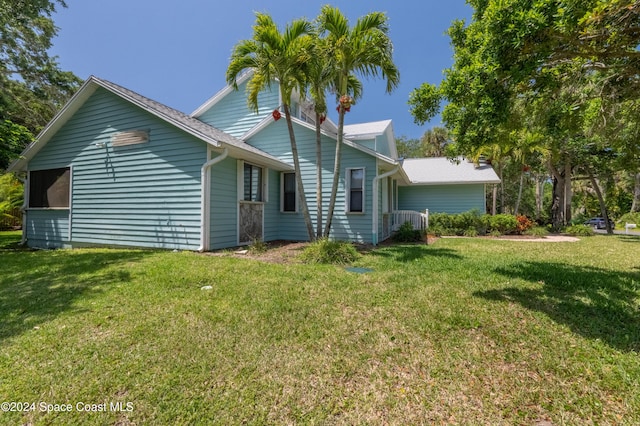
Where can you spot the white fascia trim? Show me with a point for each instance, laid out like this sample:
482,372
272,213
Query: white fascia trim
263,124
458,182
221,94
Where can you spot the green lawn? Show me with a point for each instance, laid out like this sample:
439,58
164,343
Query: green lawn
464,331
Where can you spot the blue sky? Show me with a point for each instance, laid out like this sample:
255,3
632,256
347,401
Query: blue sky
177,52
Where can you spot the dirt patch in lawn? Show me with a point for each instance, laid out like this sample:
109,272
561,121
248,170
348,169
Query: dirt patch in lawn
288,251
276,252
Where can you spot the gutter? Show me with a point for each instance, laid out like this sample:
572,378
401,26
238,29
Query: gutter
374,221
205,197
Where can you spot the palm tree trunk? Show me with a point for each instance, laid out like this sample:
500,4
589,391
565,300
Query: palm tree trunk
296,164
336,173
318,177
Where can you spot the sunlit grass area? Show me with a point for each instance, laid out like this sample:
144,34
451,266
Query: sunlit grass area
464,331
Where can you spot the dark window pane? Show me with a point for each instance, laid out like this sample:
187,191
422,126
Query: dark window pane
252,183
355,201
49,188
289,192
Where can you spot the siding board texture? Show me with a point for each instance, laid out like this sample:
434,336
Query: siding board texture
145,195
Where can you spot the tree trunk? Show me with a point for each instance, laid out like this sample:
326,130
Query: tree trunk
336,172
318,176
539,196
568,192
494,205
557,198
296,165
635,207
603,207
517,207
501,170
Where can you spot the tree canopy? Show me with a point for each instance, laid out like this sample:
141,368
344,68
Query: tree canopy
33,85
561,75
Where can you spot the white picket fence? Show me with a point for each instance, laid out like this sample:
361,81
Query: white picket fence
419,220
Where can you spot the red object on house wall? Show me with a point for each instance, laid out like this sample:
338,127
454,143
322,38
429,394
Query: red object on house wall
276,115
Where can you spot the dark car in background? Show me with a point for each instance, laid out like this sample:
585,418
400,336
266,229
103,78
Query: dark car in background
599,223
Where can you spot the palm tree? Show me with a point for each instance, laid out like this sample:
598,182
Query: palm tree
434,142
281,56
319,75
365,50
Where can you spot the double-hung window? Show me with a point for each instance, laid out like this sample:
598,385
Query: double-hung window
288,192
252,183
355,190
49,188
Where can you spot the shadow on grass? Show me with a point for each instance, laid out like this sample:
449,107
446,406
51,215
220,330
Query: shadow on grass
409,253
593,302
10,240
37,286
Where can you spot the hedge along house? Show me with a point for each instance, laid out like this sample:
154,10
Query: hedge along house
116,168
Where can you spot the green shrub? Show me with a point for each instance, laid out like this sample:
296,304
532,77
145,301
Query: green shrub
503,223
459,223
471,232
328,251
258,246
580,230
406,234
436,230
630,218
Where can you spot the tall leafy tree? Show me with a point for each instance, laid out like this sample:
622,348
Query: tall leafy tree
281,56
363,50
434,142
555,56
33,85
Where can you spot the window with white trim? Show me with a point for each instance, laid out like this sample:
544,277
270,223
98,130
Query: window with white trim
253,183
49,188
355,190
288,197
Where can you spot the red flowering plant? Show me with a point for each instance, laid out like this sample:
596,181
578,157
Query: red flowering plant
524,223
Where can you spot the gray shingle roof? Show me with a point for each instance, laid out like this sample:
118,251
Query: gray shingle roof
193,126
442,171
182,120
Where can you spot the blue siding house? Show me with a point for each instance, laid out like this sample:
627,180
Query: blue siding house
115,168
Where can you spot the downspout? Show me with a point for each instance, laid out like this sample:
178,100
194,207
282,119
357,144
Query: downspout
374,224
205,197
23,209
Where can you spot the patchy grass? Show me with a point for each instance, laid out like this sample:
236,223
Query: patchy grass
471,331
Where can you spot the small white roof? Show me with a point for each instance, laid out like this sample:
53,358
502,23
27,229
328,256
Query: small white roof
366,130
443,171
